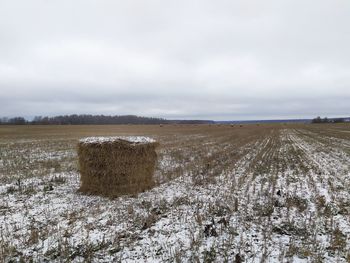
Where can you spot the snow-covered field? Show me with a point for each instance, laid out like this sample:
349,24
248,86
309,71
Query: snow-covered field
267,193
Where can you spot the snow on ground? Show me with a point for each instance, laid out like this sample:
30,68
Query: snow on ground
285,198
131,139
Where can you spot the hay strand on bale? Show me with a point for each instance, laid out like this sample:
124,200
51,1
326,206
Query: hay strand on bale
114,166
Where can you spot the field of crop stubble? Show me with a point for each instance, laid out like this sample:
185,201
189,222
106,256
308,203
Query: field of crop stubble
256,193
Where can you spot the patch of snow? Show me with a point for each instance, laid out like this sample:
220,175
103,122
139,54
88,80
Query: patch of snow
131,139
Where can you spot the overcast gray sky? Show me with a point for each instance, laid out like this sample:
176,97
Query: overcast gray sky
175,59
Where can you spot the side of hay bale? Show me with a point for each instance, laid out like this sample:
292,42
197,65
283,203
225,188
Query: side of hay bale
116,167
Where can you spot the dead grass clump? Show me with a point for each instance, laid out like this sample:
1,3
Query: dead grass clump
116,167
297,202
338,241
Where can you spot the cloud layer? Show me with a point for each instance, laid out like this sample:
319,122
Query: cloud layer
175,59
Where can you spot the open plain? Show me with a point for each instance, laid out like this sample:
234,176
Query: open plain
224,193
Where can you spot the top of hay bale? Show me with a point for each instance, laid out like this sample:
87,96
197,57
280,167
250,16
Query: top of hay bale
111,139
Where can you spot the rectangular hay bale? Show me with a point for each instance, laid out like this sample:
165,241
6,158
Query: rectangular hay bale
114,166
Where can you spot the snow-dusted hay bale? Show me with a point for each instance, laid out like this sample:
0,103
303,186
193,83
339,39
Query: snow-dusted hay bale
114,166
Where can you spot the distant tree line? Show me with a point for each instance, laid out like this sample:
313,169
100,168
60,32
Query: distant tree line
15,120
75,119
95,119
326,120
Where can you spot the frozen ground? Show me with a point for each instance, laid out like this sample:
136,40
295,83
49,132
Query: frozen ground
280,195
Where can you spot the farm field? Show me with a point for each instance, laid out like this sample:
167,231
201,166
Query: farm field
251,193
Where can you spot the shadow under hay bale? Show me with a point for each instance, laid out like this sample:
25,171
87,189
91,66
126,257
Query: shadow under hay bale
114,166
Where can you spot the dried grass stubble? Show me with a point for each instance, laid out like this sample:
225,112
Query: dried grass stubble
116,168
